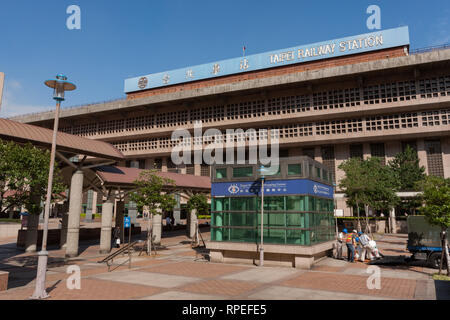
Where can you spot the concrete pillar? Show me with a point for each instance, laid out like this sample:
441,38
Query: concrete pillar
94,203
32,233
318,154
192,223
90,196
422,154
392,149
366,151
445,145
107,217
75,207
392,222
197,170
64,224
177,210
41,215
157,228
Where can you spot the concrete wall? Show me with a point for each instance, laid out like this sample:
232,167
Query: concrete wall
9,230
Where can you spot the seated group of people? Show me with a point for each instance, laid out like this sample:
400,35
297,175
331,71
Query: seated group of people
359,245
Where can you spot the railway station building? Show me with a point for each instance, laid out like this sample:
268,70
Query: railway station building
360,96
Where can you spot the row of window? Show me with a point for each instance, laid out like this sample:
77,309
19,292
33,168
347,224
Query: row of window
375,94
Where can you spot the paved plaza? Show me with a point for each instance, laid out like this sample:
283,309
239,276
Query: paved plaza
179,272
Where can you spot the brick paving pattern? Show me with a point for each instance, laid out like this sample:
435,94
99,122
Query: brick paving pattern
180,272
393,288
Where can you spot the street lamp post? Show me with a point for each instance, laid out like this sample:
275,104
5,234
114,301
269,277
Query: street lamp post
59,86
261,247
262,171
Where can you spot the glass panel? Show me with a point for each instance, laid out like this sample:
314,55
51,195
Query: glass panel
243,172
294,170
298,237
221,173
295,203
243,204
274,203
296,220
318,171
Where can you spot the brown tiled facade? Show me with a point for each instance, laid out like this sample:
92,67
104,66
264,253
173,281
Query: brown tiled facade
365,105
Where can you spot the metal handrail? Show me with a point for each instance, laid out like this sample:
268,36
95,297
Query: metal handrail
115,254
431,48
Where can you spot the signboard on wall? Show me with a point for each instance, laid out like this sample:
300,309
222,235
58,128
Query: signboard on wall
377,40
272,188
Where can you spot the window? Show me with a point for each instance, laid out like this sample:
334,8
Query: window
294,170
221,173
243,172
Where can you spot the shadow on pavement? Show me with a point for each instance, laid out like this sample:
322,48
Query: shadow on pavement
442,289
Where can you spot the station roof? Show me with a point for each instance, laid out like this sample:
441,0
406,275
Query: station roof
23,133
121,176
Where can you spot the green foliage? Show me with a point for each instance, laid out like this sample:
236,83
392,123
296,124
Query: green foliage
150,193
198,202
436,196
368,182
407,170
24,177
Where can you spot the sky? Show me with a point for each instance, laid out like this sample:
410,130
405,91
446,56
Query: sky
121,39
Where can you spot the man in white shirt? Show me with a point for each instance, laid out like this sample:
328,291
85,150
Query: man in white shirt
364,240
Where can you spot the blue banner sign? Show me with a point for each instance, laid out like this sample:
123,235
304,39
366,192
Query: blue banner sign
377,40
272,188
127,222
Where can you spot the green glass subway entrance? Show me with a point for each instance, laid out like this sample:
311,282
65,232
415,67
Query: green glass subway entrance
290,220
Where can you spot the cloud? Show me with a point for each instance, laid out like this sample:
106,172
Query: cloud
10,107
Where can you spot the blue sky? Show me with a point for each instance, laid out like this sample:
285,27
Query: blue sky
121,39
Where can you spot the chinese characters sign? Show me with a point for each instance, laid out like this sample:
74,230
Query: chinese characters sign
377,40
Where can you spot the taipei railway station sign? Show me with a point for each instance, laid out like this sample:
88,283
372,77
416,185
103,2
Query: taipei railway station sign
373,41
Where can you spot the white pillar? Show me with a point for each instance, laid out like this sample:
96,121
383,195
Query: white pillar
107,216
177,210
392,221
157,227
75,207
192,223
90,196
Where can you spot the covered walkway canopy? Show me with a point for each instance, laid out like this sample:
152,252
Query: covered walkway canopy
124,178
66,143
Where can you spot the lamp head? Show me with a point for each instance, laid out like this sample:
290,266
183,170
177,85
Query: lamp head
59,86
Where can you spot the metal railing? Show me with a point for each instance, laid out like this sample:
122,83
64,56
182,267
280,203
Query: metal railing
430,49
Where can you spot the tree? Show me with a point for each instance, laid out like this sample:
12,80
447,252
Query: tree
436,197
408,172
24,176
199,203
150,193
368,183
